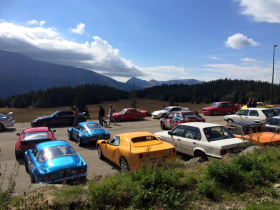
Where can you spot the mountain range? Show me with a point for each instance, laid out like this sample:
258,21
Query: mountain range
20,74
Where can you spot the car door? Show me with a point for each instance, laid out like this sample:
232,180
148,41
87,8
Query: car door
253,116
242,115
31,158
112,151
69,118
168,120
230,107
222,108
176,135
127,115
76,130
174,121
190,140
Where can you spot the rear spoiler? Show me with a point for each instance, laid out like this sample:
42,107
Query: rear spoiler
36,141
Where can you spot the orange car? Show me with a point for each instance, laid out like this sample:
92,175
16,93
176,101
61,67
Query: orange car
131,150
253,132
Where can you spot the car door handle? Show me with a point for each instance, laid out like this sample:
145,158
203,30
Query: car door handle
179,139
194,142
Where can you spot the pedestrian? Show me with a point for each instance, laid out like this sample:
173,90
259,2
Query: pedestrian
76,115
99,114
111,111
249,103
102,114
254,103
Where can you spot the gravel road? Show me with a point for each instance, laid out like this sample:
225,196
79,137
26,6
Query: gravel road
96,166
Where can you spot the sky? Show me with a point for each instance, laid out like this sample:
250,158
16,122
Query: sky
148,39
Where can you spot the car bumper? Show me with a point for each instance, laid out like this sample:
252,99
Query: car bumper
156,115
65,178
206,112
10,124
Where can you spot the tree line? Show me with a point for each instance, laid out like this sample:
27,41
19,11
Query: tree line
64,96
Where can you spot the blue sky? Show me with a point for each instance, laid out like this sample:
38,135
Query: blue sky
158,39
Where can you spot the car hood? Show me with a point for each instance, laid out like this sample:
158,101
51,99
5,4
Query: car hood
116,114
228,143
159,111
163,133
42,117
210,108
64,162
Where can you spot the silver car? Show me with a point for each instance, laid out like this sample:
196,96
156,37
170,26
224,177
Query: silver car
167,110
6,121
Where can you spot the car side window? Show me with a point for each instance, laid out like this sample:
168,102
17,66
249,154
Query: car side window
229,104
224,105
253,113
115,141
170,116
193,133
179,130
234,129
243,112
274,122
176,109
35,152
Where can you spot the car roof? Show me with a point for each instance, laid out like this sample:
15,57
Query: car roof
183,112
130,135
200,124
277,117
243,123
223,102
86,123
258,108
275,108
36,129
43,145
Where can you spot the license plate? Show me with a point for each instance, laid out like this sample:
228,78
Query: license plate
99,137
91,139
64,173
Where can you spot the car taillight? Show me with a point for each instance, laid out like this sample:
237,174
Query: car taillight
223,152
48,177
140,156
78,170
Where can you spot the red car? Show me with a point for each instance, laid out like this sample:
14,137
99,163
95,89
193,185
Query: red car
224,107
129,114
30,137
175,118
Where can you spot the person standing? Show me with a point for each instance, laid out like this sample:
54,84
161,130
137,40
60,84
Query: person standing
99,114
76,115
254,103
111,111
102,114
249,103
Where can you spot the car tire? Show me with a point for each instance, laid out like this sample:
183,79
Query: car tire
124,165
118,119
26,166
201,154
162,126
164,116
1,127
18,156
100,154
32,178
69,136
45,124
140,117
229,120
79,142
215,112
233,111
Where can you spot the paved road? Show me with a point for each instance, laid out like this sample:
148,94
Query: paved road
95,165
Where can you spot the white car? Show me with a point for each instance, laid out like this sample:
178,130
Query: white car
167,110
199,139
6,121
258,115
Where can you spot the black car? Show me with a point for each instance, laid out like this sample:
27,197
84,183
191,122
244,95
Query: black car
273,124
58,118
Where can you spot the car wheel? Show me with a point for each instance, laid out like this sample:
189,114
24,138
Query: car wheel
1,127
18,156
164,116
201,154
32,178
45,124
229,120
69,136
140,117
100,154
233,111
79,142
215,112
118,119
124,165
26,166
162,126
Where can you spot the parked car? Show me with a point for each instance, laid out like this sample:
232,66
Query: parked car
30,137
167,110
54,161
203,140
259,115
260,105
224,107
253,132
277,110
6,121
175,118
129,114
87,132
273,124
58,118
132,150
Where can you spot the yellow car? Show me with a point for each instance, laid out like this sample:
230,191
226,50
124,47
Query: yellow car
260,105
131,150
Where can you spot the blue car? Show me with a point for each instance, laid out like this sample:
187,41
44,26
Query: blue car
87,132
54,161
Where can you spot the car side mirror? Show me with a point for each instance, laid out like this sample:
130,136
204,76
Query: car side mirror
18,134
103,142
170,133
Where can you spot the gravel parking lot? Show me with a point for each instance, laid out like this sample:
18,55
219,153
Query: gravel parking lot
95,165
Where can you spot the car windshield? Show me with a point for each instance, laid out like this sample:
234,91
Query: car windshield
269,113
215,105
1,115
123,111
190,116
53,114
92,126
144,138
56,151
36,135
166,109
217,133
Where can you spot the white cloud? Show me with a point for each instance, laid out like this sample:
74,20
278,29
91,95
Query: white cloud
249,60
35,22
215,58
261,10
80,29
238,41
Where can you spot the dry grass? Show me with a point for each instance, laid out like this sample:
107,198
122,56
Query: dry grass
28,114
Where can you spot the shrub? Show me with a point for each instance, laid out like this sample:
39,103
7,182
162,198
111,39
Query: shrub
207,187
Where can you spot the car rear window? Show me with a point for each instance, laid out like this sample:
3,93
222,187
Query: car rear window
269,113
217,133
144,138
56,151
89,127
36,135
190,116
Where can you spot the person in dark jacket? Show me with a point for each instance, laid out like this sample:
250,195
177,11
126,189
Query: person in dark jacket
101,116
254,103
249,103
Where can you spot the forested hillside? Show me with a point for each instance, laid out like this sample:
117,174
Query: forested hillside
219,90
